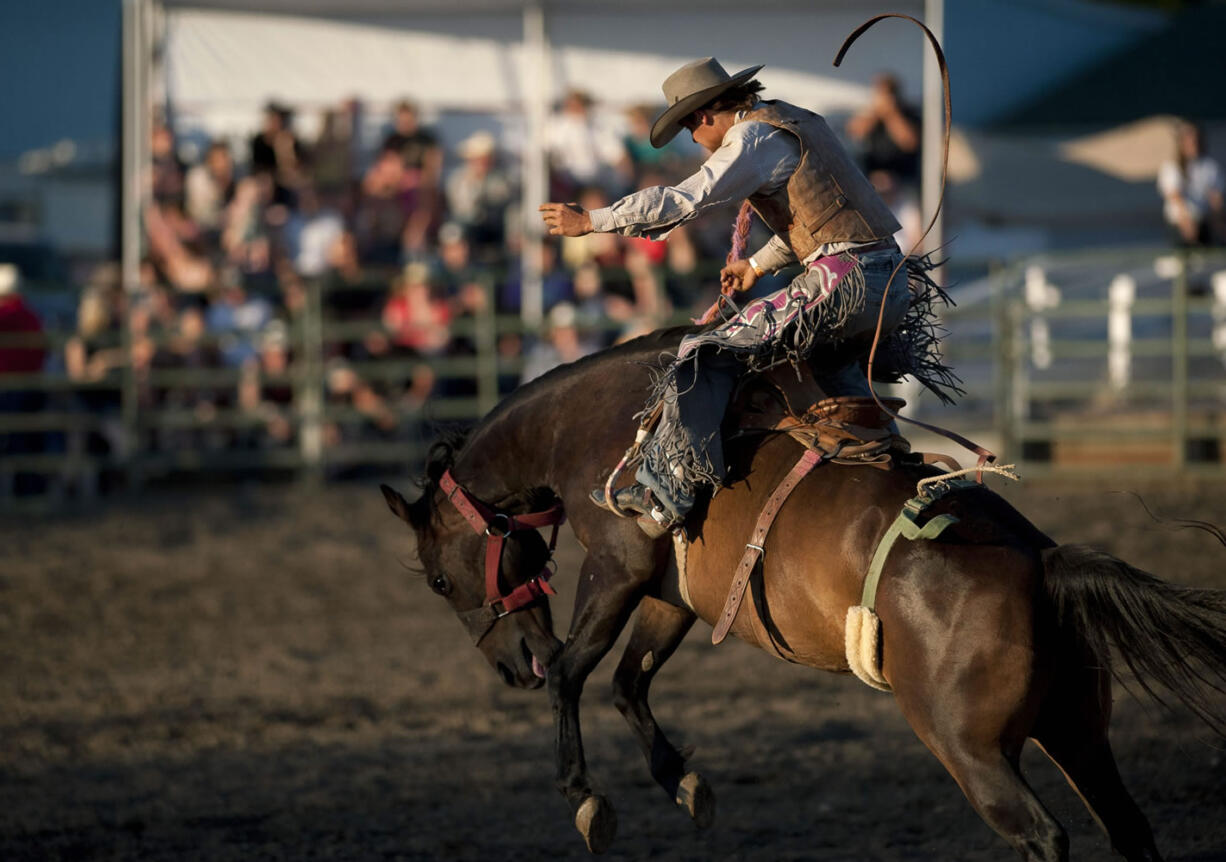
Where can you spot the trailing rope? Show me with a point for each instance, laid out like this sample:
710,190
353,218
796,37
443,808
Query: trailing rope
985,455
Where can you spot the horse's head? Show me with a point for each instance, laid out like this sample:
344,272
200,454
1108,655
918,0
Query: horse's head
454,556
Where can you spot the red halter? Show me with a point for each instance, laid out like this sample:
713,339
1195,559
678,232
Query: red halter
496,526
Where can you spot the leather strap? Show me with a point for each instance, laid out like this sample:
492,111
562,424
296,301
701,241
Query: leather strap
496,526
754,548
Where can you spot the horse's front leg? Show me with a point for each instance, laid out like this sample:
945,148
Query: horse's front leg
658,629
608,592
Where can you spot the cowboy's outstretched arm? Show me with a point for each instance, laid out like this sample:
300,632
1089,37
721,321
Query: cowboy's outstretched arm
566,219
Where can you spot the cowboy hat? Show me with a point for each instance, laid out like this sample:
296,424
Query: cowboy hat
688,89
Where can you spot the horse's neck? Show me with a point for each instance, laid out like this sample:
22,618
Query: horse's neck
510,451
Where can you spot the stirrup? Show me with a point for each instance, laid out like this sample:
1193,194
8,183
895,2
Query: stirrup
638,499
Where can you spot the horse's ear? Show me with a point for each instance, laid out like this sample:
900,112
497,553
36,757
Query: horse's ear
399,505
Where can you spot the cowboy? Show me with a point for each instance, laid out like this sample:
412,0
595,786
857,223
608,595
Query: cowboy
786,162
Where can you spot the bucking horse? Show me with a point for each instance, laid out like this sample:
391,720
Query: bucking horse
987,632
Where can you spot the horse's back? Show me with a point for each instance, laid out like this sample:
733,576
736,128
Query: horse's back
822,543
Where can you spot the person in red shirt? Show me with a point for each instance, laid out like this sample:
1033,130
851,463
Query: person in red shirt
18,355
21,352
416,321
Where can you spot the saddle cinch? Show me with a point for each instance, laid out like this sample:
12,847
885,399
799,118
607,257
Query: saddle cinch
845,429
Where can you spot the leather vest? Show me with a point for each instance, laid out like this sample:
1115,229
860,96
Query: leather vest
827,199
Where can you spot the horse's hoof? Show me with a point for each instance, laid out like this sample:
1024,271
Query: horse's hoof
597,823
696,797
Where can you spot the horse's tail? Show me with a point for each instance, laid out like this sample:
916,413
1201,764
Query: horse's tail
1167,634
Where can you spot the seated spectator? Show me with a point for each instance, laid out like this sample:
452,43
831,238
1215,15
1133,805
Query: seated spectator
94,351
96,348
387,199
277,152
562,344
235,320
210,188
247,239
556,284
479,193
176,247
167,168
333,154
311,233
422,160
1191,185
602,248
189,348
887,132
265,388
583,149
415,319
455,263
636,142
371,416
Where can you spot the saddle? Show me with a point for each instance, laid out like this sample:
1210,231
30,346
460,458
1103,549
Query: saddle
848,429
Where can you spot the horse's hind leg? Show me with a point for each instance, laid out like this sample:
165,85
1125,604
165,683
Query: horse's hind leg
963,670
1072,730
658,629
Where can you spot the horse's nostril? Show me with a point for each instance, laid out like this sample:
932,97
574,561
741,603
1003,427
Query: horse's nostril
523,645
505,673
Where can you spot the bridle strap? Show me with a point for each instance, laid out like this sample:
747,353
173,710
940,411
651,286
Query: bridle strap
496,526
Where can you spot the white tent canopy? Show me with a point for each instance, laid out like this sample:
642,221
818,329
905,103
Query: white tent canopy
222,59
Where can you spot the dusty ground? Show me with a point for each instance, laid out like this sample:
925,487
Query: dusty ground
254,675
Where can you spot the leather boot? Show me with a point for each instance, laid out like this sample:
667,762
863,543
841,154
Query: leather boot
653,519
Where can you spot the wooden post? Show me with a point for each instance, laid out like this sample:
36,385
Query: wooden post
1121,293
485,337
309,383
1179,363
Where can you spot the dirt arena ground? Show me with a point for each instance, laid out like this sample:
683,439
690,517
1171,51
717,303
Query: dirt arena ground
252,674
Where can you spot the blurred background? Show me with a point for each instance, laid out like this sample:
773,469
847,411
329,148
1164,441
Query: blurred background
288,237
253,253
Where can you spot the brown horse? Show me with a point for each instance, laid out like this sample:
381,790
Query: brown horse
992,633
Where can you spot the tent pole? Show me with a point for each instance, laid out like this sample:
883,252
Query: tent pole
533,164
933,131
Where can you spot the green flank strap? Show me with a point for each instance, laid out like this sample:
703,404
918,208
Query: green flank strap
904,525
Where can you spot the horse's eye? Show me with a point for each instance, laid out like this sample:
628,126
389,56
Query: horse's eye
440,585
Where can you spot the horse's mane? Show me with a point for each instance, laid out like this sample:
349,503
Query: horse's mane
451,438
662,341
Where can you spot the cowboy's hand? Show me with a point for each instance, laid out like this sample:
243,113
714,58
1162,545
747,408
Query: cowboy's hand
566,219
738,275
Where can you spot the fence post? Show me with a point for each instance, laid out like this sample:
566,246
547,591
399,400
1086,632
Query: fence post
1121,294
1040,295
485,337
129,399
309,381
1002,371
1179,363
1219,313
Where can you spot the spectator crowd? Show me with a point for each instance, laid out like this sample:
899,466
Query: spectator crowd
403,242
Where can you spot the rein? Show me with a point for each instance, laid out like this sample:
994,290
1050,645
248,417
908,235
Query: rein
496,527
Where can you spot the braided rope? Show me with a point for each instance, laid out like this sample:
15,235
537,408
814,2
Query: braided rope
740,232
1006,470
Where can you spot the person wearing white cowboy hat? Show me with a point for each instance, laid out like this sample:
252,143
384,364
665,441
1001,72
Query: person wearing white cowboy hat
787,164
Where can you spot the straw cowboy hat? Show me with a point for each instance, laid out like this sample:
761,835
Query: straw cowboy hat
688,89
